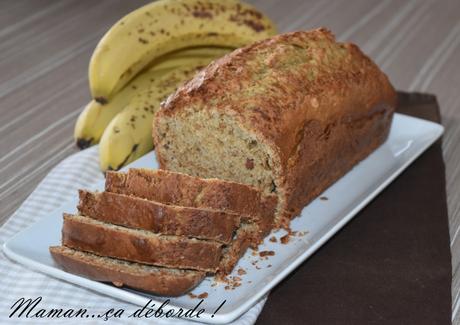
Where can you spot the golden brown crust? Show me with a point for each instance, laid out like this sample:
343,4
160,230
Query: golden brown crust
321,106
342,149
140,246
184,190
139,213
159,281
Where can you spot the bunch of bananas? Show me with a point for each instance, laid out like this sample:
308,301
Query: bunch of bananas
145,56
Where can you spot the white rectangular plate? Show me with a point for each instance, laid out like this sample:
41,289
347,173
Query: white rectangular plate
320,220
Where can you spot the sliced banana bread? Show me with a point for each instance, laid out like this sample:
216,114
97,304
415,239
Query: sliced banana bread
140,213
289,115
184,190
86,234
156,280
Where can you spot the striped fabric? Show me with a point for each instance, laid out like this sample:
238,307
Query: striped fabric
80,170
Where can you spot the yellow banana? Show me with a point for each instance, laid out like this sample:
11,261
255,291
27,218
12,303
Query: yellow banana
168,25
182,57
90,124
129,134
95,117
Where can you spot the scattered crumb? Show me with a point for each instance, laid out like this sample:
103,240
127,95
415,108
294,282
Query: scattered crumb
266,253
249,281
200,296
254,253
285,239
258,267
232,282
273,239
241,271
269,265
302,233
324,198
213,284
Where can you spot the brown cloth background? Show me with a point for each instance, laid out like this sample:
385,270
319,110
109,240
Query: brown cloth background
391,264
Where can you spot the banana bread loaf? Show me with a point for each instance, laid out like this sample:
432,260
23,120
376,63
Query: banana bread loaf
289,115
156,280
133,212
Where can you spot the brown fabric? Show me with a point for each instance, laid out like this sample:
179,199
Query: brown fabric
391,264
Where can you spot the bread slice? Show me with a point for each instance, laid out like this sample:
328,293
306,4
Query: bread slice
157,280
86,234
289,115
139,213
184,190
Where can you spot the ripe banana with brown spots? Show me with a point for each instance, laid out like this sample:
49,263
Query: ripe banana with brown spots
168,25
